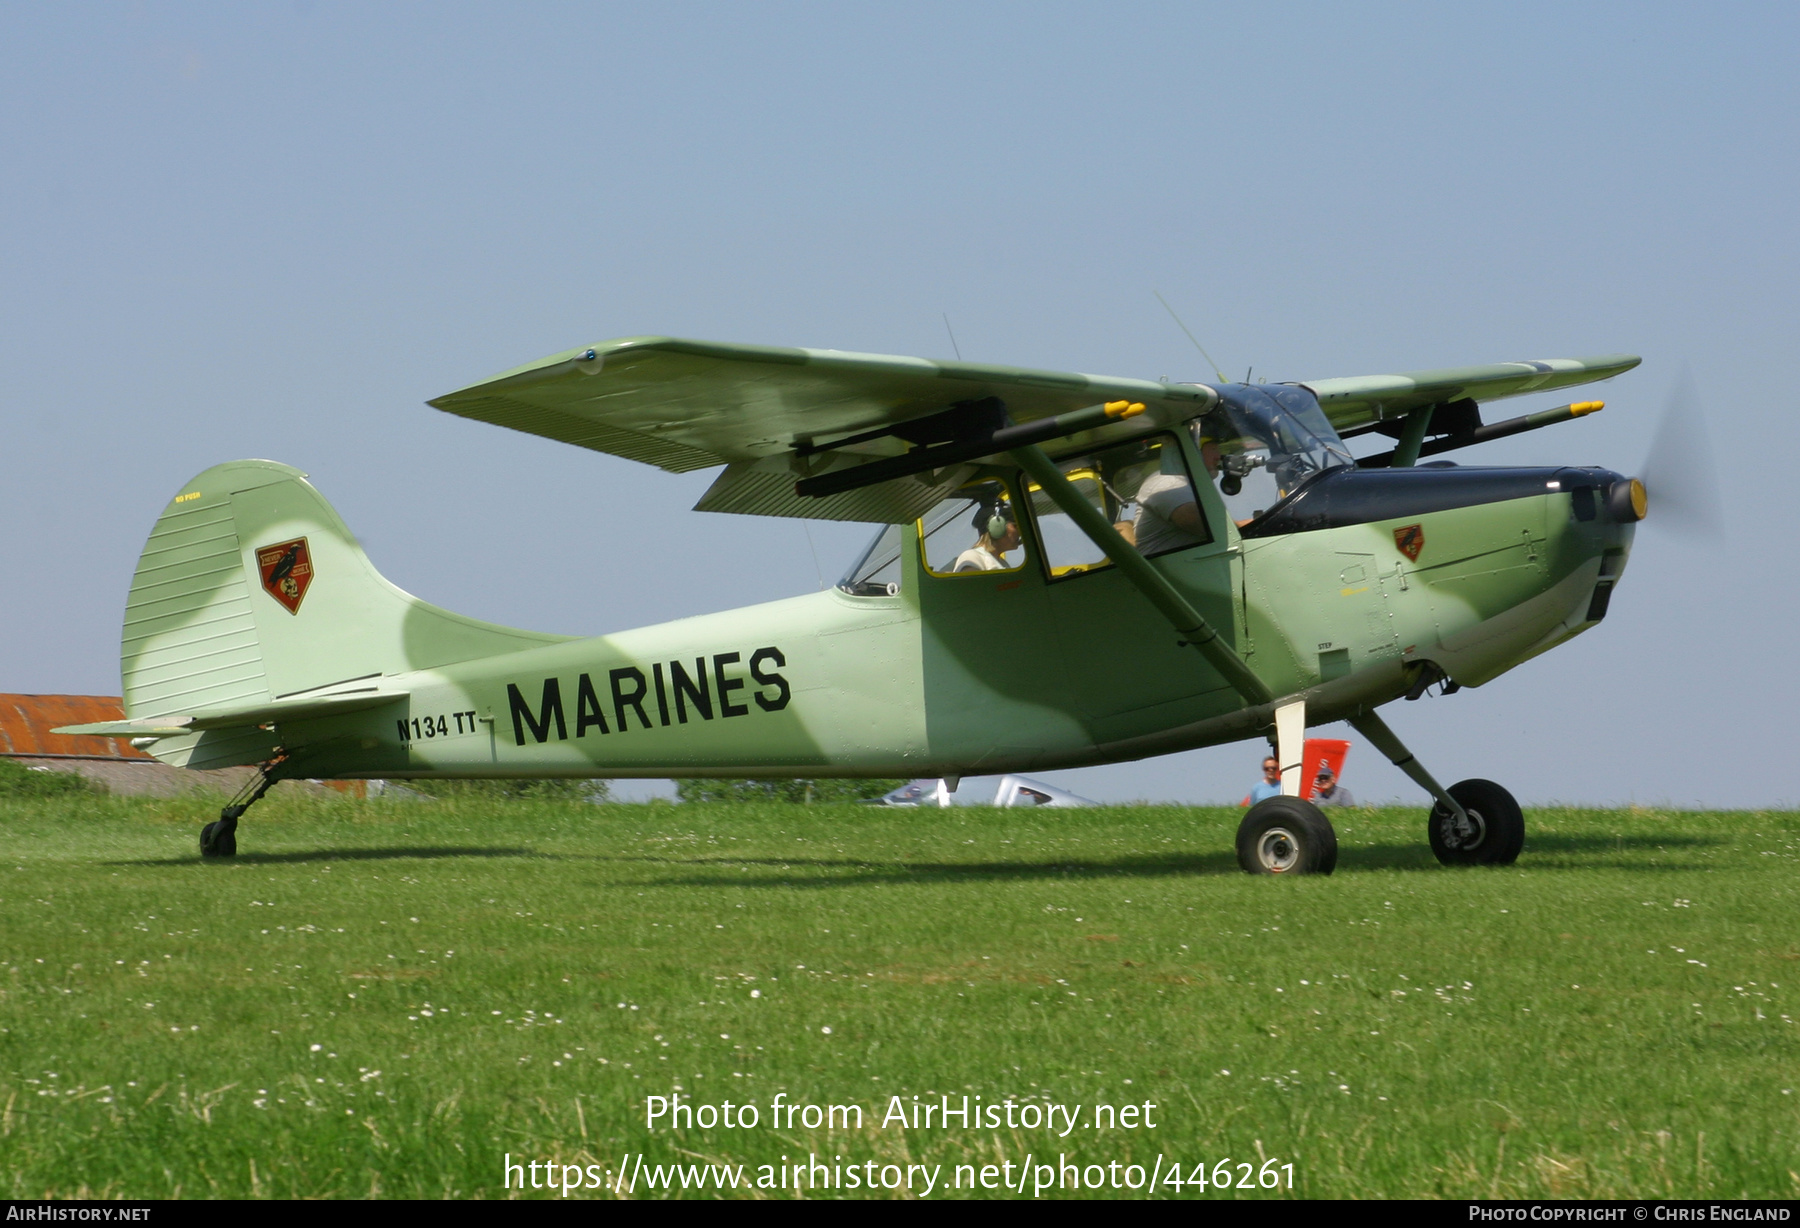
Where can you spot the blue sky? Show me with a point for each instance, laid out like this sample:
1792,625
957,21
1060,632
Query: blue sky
276,230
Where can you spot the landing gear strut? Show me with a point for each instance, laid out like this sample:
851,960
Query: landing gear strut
1475,822
219,838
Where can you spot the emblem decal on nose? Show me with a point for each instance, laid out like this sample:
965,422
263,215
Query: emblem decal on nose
287,571
1410,540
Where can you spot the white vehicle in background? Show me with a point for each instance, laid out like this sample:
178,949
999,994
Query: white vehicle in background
1013,791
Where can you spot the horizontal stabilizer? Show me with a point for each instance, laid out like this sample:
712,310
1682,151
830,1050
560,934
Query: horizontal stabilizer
164,727
244,716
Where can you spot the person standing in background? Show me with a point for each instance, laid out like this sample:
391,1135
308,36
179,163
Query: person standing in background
1270,785
1327,791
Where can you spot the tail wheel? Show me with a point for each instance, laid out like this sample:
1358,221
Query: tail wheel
1286,835
1493,833
219,839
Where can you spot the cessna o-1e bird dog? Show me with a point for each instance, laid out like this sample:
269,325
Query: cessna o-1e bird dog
1208,562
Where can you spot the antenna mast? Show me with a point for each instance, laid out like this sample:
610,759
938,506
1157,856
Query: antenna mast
1190,336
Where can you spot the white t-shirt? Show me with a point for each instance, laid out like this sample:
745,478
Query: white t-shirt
1159,498
977,559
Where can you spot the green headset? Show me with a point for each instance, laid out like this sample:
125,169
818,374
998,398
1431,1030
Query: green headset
992,519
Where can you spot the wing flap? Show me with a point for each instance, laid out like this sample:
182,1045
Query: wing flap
665,454
766,488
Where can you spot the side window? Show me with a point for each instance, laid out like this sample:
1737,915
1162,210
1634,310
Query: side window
1142,487
1067,550
974,530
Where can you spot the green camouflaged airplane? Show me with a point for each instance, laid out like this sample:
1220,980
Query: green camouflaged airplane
1075,569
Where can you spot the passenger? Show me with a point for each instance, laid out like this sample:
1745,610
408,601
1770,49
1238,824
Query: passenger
989,552
1168,515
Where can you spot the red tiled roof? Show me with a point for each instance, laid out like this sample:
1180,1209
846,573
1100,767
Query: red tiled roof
26,722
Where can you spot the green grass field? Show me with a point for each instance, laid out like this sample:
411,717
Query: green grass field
388,998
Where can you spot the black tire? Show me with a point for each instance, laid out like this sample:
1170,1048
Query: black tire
1286,835
218,839
1493,838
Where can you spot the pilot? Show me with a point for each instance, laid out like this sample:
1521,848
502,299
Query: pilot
1168,515
989,551
1209,453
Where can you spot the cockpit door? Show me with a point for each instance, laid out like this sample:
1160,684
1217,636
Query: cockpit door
1125,673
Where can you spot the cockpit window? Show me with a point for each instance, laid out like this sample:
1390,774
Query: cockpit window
974,530
1142,487
1267,440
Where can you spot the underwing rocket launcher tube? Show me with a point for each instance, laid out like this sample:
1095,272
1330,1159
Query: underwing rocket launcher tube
1382,738
1399,457
1194,629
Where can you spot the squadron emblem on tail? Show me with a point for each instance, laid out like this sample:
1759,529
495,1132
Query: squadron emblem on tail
286,572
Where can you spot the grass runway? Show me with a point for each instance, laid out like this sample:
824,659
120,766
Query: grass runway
389,998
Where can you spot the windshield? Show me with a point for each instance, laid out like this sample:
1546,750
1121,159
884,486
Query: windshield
876,572
1269,439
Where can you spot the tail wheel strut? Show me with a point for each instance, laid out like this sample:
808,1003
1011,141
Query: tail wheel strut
219,838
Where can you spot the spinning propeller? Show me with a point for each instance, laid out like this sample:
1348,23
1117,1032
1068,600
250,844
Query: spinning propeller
1679,472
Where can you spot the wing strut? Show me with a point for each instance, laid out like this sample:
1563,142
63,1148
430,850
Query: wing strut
1195,630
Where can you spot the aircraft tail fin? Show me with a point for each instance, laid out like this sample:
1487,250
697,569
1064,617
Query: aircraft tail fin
252,590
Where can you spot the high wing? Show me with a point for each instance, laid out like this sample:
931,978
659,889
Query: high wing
775,415
1357,402
684,405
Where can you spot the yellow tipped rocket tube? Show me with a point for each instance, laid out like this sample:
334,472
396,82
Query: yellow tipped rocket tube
1496,430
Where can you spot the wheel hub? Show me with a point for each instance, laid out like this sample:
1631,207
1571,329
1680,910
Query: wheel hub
1463,833
1278,850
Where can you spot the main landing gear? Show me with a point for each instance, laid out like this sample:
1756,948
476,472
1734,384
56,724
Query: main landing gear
1475,822
219,838
1286,835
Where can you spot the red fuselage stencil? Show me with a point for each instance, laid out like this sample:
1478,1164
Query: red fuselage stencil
287,570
